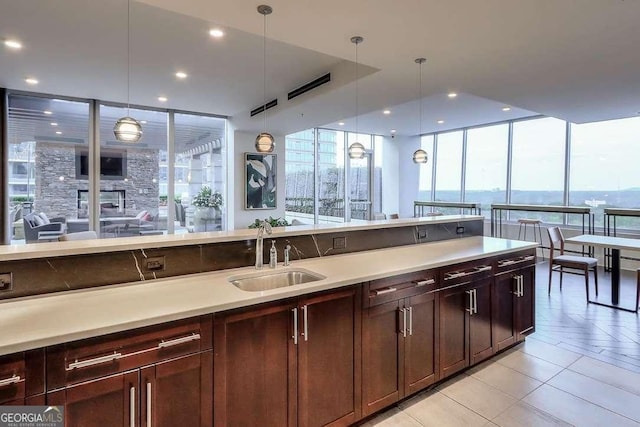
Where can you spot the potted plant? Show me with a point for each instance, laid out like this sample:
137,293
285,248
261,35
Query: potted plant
207,203
274,222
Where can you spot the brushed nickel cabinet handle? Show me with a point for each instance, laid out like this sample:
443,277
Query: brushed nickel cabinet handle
95,361
385,291
403,311
149,417
11,380
305,319
177,341
295,326
410,321
425,282
470,309
132,407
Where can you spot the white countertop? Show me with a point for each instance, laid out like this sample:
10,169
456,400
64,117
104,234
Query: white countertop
80,247
34,322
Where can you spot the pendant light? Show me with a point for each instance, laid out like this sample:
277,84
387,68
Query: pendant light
128,129
356,150
265,142
420,156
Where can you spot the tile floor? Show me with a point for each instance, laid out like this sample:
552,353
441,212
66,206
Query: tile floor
581,367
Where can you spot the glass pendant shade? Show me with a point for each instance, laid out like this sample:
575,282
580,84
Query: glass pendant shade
356,151
420,156
265,143
128,129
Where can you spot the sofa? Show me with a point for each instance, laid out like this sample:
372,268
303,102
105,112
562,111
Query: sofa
39,228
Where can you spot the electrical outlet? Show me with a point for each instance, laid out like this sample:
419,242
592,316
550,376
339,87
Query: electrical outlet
422,233
6,281
154,263
339,243
460,230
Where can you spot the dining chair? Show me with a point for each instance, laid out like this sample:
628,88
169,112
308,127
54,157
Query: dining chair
575,264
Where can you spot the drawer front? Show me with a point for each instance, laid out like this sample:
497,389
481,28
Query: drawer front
393,288
514,261
13,374
97,357
465,272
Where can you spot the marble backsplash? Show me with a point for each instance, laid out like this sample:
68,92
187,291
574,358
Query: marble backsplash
45,275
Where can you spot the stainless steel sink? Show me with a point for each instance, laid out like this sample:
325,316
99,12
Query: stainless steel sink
265,280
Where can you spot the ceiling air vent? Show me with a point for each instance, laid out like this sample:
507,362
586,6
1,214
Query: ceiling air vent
309,86
261,108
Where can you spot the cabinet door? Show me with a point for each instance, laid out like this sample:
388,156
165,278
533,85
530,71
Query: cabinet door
525,303
480,330
453,327
111,401
328,357
255,368
178,392
382,357
504,327
421,352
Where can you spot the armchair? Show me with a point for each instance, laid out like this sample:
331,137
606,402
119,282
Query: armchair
38,228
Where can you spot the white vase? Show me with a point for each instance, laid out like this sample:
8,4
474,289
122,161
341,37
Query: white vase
205,219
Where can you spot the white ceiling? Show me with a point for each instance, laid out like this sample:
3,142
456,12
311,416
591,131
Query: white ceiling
573,59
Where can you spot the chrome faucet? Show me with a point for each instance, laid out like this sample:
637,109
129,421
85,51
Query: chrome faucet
264,226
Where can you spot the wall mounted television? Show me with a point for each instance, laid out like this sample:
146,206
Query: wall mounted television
113,164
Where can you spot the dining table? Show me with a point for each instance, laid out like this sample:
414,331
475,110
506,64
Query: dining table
615,244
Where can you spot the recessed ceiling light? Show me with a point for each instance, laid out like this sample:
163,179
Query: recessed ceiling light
387,112
506,108
393,131
181,75
47,112
216,32
31,81
163,99
144,122
54,124
452,95
13,44
340,123
58,132
440,121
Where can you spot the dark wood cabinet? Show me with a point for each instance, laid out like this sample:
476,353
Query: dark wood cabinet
155,377
514,299
293,363
21,377
465,317
111,401
255,365
399,341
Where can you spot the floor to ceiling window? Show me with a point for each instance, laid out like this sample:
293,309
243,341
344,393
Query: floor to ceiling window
46,140
604,168
200,169
486,164
318,187
448,166
299,172
538,165
425,183
130,175
51,171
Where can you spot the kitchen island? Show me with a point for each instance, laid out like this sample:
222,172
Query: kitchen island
439,307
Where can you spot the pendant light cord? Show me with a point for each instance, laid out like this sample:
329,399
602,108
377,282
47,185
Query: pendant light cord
357,90
420,99
128,54
264,70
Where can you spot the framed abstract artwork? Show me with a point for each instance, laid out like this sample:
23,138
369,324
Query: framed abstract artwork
260,181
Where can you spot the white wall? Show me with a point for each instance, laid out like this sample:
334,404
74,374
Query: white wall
390,175
409,173
244,142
